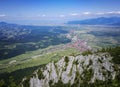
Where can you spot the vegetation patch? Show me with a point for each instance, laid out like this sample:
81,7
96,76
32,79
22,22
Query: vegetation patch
87,53
75,62
66,59
114,52
40,74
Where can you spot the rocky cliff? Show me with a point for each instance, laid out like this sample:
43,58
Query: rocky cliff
74,72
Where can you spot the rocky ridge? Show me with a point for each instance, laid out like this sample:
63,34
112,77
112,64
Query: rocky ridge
74,70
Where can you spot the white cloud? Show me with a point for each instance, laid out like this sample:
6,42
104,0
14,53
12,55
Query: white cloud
74,14
43,15
62,16
100,13
113,12
118,12
2,15
108,13
86,13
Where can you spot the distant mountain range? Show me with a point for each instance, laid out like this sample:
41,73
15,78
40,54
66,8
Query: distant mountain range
98,21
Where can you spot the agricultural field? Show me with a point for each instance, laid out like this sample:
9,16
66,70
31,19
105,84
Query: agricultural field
96,36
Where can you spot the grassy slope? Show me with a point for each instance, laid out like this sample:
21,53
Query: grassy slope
30,59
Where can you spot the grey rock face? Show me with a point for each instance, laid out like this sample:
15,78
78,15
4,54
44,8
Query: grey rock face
92,67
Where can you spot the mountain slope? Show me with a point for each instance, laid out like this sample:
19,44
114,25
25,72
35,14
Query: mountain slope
79,71
98,21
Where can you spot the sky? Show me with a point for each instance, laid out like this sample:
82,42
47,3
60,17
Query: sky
55,11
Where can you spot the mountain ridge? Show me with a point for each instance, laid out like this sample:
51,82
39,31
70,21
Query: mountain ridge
73,71
98,21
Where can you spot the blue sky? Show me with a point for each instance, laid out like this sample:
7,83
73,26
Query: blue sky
42,11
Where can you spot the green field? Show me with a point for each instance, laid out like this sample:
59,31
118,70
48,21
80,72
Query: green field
35,58
25,64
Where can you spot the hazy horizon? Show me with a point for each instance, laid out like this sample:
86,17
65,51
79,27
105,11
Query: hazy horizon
38,12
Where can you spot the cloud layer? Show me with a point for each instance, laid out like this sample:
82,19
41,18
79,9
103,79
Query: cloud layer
2,15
